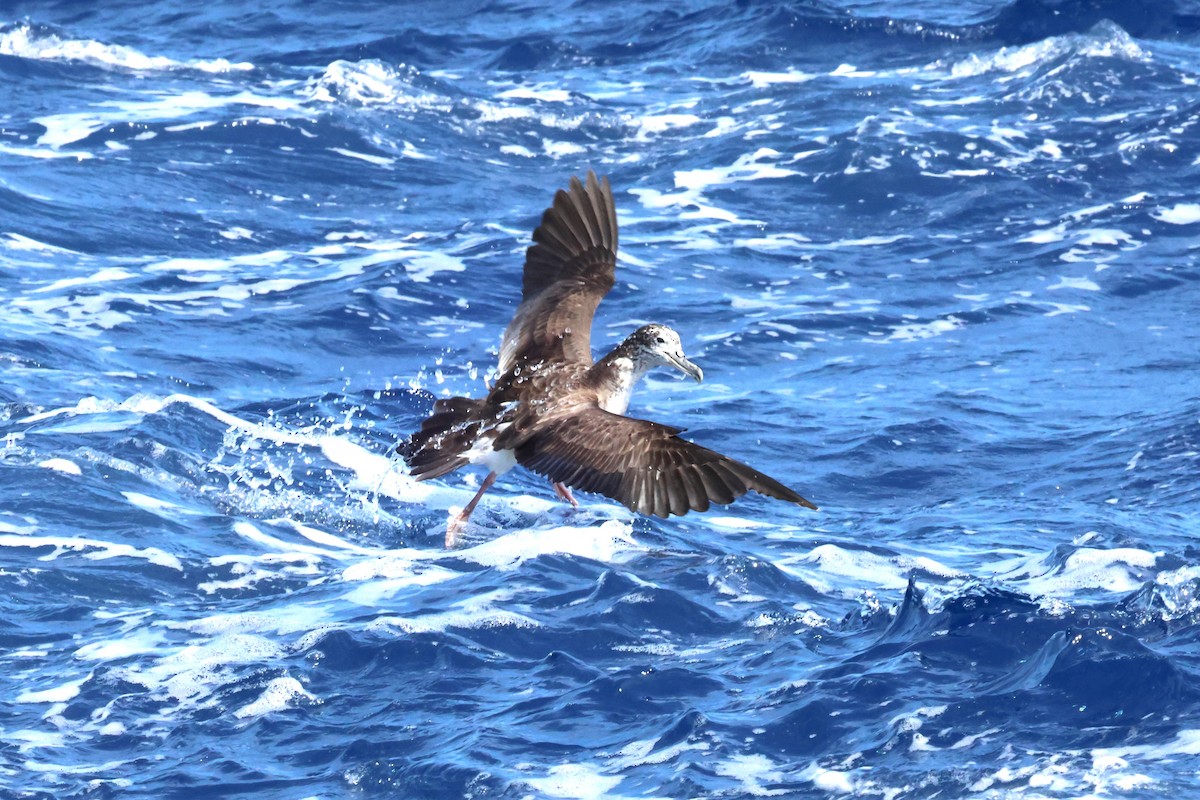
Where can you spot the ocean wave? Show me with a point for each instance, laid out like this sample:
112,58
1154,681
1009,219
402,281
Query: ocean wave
39,43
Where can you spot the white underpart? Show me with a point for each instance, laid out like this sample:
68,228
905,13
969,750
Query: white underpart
627,375
483,454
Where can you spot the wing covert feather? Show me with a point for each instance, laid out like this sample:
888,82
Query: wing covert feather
641,464
568,270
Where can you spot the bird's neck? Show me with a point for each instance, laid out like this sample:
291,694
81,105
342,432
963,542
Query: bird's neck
614,377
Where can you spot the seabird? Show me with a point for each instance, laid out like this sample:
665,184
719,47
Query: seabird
559,413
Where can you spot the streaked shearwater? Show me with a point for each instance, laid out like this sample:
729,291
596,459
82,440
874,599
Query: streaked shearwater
555,411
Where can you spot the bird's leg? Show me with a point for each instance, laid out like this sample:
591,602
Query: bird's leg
564,491
459,520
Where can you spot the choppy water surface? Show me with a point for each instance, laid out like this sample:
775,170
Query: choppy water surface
939,264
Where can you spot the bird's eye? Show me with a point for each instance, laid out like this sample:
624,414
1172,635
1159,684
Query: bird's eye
661,340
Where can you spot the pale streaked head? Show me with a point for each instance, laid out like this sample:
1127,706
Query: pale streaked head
658,345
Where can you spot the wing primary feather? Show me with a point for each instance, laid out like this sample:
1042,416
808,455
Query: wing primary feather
598,215
677,493
662,505
718,491
586,208
697,497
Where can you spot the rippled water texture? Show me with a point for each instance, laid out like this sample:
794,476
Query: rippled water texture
937,261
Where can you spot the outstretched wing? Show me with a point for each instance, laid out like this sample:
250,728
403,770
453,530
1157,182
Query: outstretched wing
568,271
641,464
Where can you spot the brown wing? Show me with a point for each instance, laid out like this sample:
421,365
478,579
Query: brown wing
642,464
568,271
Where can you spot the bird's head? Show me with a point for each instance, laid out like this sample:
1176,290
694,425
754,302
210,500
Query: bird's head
658,345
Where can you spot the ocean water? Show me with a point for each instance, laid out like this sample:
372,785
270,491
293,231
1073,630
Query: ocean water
939,263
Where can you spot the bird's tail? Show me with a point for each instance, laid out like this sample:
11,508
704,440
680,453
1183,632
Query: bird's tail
441,446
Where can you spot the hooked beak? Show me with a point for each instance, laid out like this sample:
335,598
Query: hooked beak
687,367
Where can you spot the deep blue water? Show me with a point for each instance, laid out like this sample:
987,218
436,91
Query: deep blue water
938,261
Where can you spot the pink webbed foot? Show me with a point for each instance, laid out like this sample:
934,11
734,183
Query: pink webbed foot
456,524
564,491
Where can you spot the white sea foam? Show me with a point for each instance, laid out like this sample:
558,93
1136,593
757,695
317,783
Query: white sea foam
61,465
691,184
23,41
92,549
1179,214
761,80
190,674
28,741
140,642
158,506
861,568
1117,570
775,242
29,526
647,751
388,575
279,694
1046,235
371,82
865,241
752,770
89,312
423,266
16,241
610,542
278,547
577,781
379,161
66,128
914,331
1104,41
396,571
543,93
374,83
517,150
829,780
1058,309
1103,236
473,611
653,124
1082,284
269,258
1185,743
62,693
561,149
37,152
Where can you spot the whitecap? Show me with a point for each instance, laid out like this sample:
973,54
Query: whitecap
61,465
379,161
828,561
543,93
1083,284
279,694
915,331
561,149
652,124
752,770
23,41
66,128
648,751
141,642
1106,40
193,672
1179,214
609,542
57,694
761,80
91,549
577,781
1118,570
